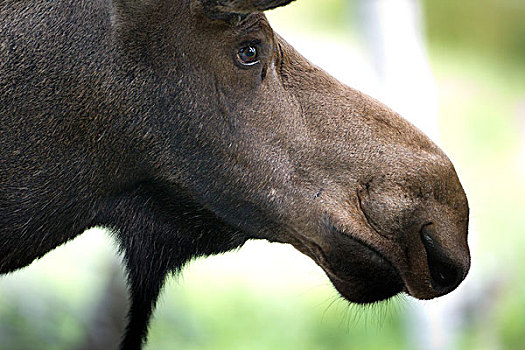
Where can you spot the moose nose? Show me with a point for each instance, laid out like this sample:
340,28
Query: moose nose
446,274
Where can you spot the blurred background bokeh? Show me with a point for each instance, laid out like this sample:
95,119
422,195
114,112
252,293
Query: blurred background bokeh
454,68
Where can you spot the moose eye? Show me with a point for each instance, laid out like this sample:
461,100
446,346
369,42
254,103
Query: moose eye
248,55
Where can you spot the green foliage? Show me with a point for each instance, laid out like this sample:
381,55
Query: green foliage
496,26
236,317
49,322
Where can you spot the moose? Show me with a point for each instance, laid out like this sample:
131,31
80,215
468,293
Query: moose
187,127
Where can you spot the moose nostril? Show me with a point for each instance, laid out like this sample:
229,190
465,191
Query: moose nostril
445,273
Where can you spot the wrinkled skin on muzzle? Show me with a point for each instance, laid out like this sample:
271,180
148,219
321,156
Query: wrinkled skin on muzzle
188,127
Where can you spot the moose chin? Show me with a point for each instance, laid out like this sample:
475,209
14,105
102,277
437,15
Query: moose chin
188,127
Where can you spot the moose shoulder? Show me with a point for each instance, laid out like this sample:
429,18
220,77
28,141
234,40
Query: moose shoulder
188,127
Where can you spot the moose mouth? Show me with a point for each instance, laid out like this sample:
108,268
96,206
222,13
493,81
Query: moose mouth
364,277
358,271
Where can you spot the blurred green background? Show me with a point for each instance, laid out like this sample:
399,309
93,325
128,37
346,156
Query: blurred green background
267,296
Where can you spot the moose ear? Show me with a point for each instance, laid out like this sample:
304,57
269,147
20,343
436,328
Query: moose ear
223,8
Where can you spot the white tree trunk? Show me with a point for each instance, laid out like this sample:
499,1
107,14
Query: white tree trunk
393,38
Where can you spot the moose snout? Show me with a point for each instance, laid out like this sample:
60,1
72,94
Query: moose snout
446,272
424,230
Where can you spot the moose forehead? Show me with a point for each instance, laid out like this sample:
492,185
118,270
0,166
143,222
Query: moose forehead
187,27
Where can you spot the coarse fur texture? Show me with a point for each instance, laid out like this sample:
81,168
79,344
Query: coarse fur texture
141,116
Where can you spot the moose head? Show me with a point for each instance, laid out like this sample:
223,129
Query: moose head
188,127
